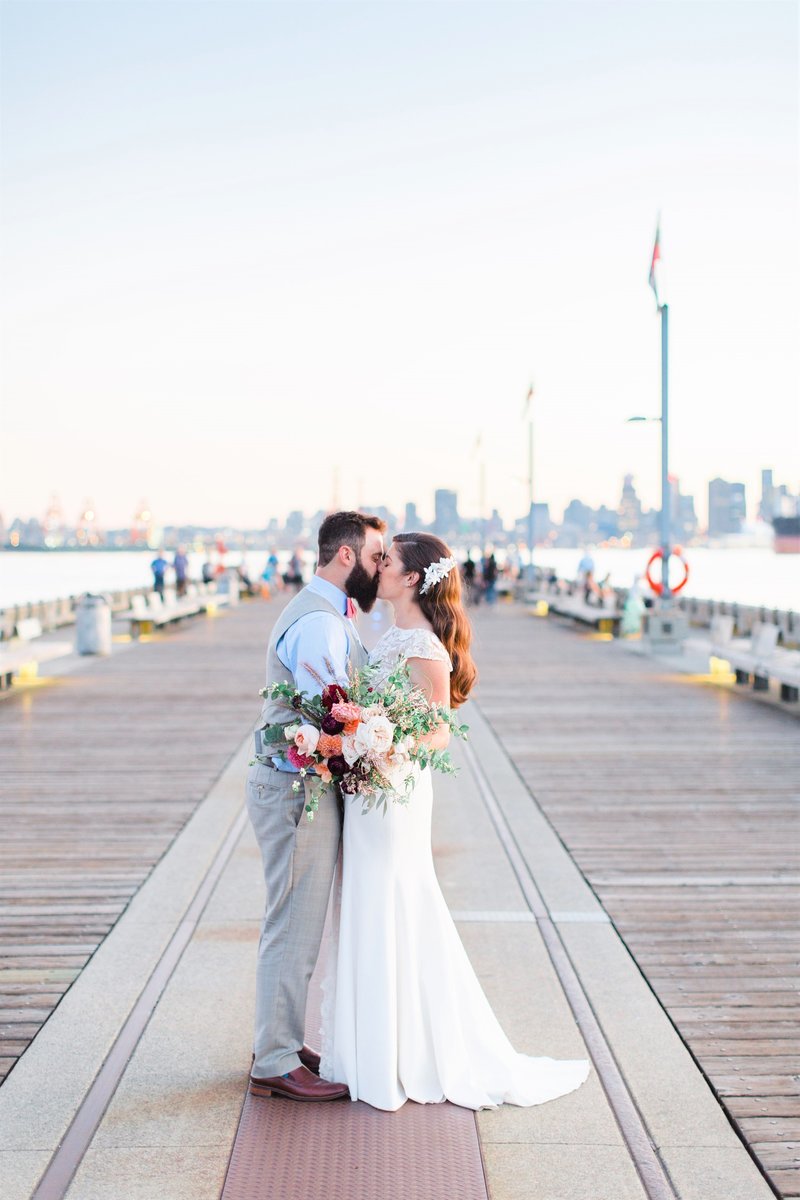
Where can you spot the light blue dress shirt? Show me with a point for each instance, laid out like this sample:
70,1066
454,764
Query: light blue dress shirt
313,639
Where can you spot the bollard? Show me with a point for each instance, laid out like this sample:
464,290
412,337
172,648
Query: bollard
93,625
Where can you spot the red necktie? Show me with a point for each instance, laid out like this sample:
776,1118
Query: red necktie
350,611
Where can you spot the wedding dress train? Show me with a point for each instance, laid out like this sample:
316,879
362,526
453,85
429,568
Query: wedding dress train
404,1016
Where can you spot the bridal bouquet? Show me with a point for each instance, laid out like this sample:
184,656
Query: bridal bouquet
366,740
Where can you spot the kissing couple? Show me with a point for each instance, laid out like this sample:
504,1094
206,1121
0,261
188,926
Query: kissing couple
404,1016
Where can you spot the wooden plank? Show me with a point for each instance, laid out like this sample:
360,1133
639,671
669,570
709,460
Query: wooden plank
679,804
99,775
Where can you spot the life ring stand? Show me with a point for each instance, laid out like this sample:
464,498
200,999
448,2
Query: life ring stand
658,585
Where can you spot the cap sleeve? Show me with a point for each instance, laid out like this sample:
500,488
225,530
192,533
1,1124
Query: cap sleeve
421,643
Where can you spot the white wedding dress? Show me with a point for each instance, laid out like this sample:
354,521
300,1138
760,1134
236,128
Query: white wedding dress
403,1014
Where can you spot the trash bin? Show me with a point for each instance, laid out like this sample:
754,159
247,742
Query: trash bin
228,585
93,625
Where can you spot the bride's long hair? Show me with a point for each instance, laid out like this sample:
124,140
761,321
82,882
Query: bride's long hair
442,606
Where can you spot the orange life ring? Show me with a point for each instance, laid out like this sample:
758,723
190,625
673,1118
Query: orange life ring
658,585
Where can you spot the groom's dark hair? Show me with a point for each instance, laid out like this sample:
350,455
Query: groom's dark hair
345,529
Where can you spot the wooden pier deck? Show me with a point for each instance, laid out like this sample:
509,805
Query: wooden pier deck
100,770
679,801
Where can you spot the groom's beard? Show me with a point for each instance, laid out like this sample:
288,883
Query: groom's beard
362,587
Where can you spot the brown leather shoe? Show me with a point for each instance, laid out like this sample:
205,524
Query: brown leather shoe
308,1057
301,1084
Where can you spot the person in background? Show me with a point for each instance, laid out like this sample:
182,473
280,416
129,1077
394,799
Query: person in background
267,579
243,571
294,573
159,566
586,573
634,607
489,574
208,571
605,592
180,565
468,571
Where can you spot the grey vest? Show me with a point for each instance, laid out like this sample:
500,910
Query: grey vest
306,601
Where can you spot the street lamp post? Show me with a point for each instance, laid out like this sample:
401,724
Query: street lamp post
665,517
666,594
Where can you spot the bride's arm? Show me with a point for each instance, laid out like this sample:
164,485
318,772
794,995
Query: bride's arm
433,680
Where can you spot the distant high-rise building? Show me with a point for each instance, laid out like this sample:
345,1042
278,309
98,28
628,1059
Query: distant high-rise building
629,509
494,526
294,523
683,519
446,519
411,520
578,516
726,507
380,510
766,509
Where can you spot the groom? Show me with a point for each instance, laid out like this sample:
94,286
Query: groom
313,634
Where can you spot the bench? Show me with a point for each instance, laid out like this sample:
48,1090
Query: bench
605,620
24,653
142,616
151,612
208,598
758,656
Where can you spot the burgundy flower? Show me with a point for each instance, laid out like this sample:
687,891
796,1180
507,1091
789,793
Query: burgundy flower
349,785
333,694
331,726
337,765
297,759
297,701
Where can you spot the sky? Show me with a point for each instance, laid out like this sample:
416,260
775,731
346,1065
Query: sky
266,256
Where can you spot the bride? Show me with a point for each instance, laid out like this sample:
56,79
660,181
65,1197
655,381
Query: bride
404,1016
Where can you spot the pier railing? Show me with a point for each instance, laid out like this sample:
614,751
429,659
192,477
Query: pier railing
53,614
700,612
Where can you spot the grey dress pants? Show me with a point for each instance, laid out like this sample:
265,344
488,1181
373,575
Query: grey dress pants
299,859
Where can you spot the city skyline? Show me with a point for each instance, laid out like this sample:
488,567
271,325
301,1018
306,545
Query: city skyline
728,514
253,261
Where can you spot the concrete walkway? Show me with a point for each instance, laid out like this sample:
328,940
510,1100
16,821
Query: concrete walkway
164,1064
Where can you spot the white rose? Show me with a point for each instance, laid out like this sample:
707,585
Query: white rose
290,731
374,736
349,752
306,739
397,769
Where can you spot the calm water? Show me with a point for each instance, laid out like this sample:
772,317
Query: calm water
749,576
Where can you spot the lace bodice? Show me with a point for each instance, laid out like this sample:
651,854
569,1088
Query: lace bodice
405,643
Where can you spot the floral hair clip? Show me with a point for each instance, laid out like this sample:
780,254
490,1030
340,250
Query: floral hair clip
435,573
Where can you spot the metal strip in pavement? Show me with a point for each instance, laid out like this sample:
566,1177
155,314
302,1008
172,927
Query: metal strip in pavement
644,1155
66,1159
498,917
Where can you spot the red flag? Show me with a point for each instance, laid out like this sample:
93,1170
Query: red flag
655,259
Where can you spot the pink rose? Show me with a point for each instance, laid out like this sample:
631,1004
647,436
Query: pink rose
346,712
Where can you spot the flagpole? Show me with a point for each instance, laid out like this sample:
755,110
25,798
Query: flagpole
530,486
666,594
